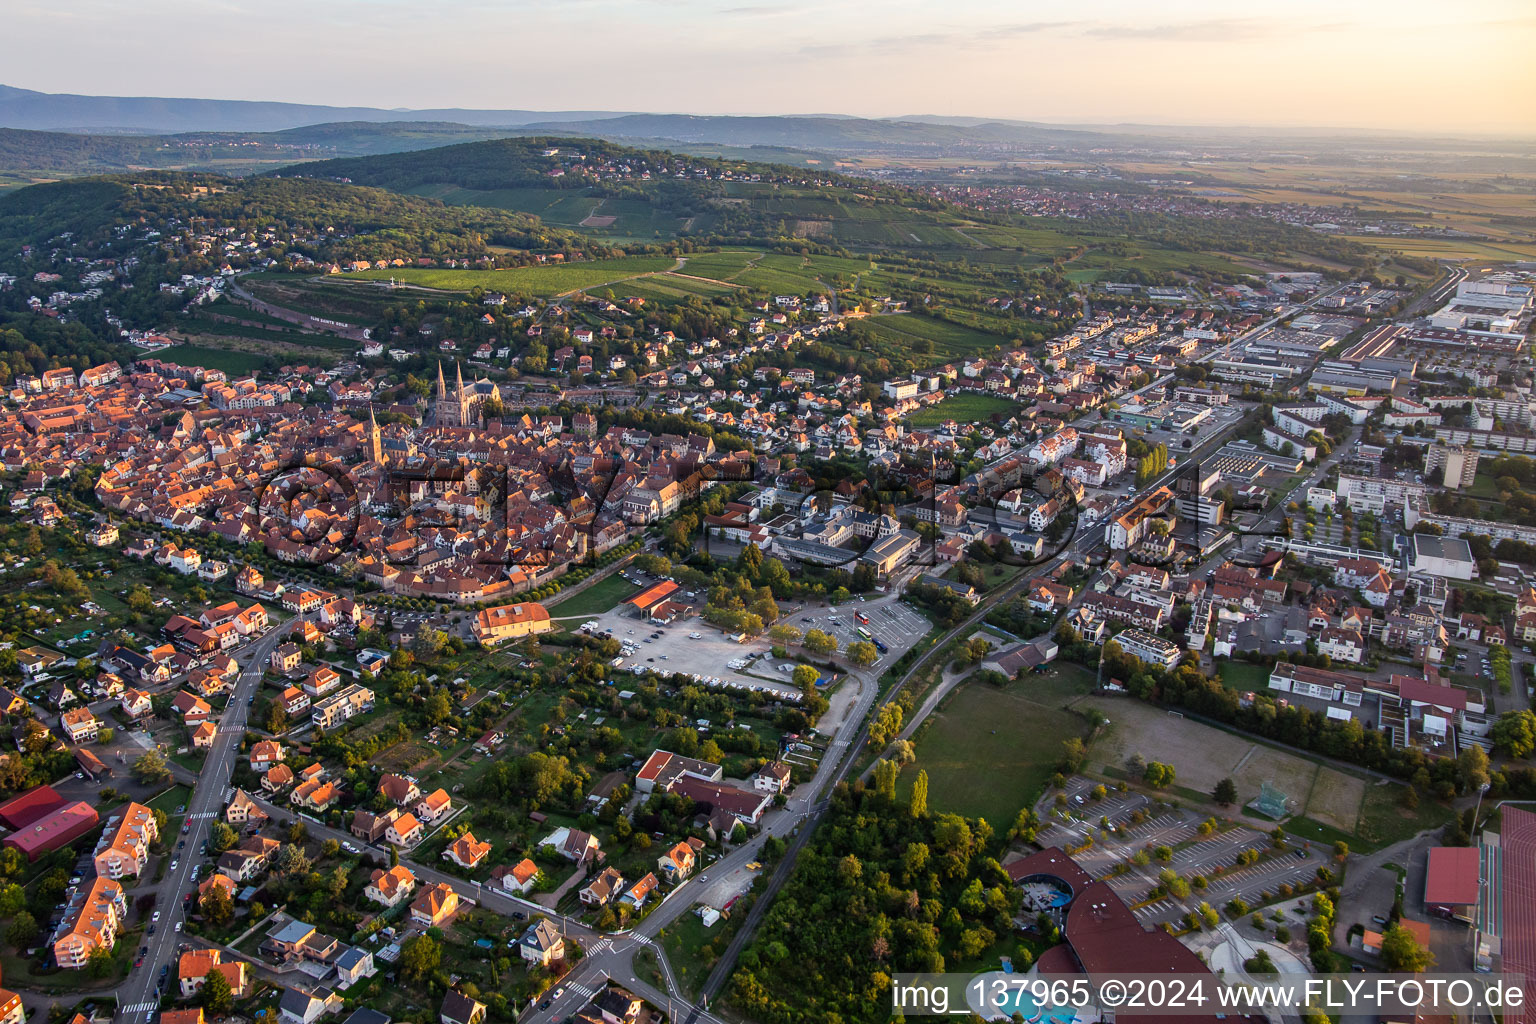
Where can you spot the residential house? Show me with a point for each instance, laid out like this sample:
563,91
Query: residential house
678,863
603,889
518,878
404,831
466,851
434,906
398,789
392,886
635,896
196,965
434,806
541,943
459,1008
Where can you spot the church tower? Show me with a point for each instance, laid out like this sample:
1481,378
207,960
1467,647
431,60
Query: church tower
375,439
462,396
447,407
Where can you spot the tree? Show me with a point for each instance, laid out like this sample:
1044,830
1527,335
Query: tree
437,709
217,996
1400,951
1514,734
220,838
1225,792
862,653
150,768
919,805
217,907
804,678
820,643
99,963
419,957
106,735
1158,775
22,930
292,861
1472,765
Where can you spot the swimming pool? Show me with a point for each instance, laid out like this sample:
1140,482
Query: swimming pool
1003,1001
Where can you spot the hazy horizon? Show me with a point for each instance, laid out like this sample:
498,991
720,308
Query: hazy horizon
1397,67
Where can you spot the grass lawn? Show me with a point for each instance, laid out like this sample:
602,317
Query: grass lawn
989,752
171,799
1242,676
1384,820
692,949
597,598
964,409
213,358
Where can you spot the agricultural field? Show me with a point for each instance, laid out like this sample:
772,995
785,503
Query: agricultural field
963,409
544,282
948,340
229,360
1451,248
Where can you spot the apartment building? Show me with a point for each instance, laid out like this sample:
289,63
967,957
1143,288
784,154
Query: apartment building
337,708
91,921
124,846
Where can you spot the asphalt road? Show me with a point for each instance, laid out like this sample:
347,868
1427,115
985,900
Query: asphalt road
138,997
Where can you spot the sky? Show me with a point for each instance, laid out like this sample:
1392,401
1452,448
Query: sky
1390,64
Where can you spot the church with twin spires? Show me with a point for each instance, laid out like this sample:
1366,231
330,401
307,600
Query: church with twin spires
461,406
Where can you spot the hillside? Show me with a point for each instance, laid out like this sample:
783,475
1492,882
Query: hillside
609,190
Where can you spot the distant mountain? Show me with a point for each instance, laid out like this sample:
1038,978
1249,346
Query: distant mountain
42,111
829,134
61,154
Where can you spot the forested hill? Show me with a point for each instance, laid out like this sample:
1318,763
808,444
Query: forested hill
120,214
110,242
562,163
606,189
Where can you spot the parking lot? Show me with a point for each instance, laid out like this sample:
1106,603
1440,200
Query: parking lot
1118,838
690,647
891,622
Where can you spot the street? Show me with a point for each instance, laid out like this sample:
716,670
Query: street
139,995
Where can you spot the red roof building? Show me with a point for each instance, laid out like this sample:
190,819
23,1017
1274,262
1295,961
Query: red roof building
652,596
55,831
1451,884
22,810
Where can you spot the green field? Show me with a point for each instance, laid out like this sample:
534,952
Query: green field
1242,676
990,751
949,341
599,597
720,266
963,409
537,281
213,358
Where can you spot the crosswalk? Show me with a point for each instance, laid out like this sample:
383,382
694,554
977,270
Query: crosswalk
202,815
582,990
600,946
140,1007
